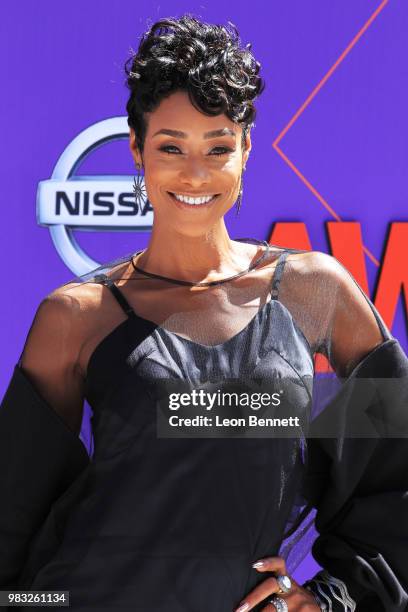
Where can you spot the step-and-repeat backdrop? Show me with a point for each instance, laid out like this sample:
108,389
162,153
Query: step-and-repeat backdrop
328,168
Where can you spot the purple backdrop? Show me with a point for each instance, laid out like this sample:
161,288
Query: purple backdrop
63,71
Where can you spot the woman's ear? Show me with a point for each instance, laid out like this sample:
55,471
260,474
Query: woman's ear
134,149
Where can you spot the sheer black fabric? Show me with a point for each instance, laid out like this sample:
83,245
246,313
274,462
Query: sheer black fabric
156,523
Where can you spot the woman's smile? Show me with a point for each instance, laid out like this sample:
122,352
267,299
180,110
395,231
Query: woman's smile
186,201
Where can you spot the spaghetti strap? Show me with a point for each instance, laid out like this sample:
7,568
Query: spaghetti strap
118,295
277,275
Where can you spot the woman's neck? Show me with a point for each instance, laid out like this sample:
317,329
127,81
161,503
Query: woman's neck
194,258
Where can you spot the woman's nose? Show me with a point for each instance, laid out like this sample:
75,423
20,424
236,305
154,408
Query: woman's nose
194,173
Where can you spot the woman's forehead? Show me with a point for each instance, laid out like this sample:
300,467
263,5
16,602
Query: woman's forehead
176,113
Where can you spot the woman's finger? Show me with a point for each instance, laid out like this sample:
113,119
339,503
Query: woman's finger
271,564
268,587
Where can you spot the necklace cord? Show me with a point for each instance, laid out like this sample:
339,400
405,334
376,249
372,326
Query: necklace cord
207,283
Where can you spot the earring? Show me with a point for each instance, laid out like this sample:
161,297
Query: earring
239,198
139,188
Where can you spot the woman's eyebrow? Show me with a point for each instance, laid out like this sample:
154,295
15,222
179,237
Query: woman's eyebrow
212,134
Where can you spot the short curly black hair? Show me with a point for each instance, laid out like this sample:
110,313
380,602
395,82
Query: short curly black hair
205,60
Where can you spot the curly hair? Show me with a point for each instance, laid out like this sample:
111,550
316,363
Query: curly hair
205,60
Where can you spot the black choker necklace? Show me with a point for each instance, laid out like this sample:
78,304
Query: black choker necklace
209,283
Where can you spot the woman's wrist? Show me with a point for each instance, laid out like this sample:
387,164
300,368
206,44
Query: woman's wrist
331,593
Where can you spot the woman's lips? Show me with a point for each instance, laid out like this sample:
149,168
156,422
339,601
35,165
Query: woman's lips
184,205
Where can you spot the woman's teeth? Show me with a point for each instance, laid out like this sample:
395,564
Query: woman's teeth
194,201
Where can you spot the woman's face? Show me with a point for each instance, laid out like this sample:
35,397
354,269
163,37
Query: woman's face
190,155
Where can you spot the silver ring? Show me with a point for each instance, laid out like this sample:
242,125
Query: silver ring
285,583
279,603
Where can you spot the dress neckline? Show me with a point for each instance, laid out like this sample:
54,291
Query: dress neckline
219,345
162,331
137,319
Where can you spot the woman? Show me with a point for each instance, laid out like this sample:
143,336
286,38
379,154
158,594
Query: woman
197,519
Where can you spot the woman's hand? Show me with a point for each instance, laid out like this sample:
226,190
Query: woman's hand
298,599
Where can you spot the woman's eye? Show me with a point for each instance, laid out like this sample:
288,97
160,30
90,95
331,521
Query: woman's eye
221,150
166,147
171,149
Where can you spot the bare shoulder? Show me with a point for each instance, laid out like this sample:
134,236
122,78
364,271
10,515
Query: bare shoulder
69,308
49,356
81,297
61,325
74,299
65,322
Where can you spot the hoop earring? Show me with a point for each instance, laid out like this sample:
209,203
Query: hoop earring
139,188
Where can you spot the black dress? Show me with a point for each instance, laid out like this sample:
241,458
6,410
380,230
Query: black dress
173,523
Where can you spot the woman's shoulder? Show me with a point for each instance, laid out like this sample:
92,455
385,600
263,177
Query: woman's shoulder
83,293
312,261
321,283
72,312
307,268
330,303
323,277
50,358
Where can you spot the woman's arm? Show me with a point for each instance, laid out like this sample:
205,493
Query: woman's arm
50,356
359,485
352,328
40,418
